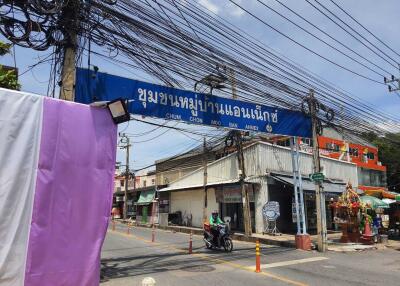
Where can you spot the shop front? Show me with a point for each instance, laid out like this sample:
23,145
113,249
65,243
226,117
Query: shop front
229,198
147,206
281,189
118,204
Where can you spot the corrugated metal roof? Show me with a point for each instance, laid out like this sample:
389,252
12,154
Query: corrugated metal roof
309,186
177,188
262,158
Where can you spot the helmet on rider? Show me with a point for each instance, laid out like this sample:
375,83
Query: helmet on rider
214,214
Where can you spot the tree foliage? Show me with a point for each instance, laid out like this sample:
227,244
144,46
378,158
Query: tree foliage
389,155
8,78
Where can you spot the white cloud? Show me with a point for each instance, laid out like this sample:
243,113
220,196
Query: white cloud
209,5
224,7
235,10
389,126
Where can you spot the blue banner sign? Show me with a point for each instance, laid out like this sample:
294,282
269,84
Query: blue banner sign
170,103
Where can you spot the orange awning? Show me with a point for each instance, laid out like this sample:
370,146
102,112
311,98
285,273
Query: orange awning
378,193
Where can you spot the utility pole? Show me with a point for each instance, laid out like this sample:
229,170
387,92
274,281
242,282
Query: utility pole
319,193
232,78
205,161
125,140
239,147
394,81
245,193
68,74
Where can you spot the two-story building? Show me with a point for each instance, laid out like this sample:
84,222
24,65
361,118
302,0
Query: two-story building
146,206
268,169
119,192
351,148
141,195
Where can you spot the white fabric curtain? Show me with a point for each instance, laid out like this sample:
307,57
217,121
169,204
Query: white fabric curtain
20,129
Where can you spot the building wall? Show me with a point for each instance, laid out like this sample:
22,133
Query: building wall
119,183
143,181
278,159
171,170
166,177
260,159
191,202
357,157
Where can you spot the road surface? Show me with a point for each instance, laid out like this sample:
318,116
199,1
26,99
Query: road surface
128,258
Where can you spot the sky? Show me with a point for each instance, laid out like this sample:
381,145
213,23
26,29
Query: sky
380,17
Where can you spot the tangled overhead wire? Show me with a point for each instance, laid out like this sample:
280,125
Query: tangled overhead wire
40,24
179,43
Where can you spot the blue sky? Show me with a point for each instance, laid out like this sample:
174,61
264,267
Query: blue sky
381,17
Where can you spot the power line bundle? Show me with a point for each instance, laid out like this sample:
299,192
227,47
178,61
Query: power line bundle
180,42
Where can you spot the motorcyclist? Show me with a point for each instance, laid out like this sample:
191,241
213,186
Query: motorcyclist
215,221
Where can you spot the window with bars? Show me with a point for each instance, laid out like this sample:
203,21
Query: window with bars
353,152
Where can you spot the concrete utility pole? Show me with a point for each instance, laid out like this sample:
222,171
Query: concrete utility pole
319,193
68,74
393,80
245,193
205,161
232,78
125,140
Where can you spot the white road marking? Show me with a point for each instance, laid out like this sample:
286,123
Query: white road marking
329,266
292,262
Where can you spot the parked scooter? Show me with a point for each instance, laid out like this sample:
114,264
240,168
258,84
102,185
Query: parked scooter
212,240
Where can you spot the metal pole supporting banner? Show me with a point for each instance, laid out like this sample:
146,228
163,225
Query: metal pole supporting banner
205,161
126,179
295,184
301,193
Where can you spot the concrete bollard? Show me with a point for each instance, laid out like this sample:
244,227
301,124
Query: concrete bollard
258,264
191,243
127,230
153,234
113,225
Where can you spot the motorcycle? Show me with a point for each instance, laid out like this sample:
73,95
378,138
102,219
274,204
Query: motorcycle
218,241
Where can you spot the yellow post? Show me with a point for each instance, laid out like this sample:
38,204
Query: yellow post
258,266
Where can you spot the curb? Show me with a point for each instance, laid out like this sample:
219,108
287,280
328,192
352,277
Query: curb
237,237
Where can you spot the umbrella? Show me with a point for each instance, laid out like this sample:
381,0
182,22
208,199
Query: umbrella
373,202
388,201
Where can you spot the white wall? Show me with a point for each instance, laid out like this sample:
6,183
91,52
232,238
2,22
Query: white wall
191,202
212,204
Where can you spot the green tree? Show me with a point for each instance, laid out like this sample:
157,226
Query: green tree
389,155
8,78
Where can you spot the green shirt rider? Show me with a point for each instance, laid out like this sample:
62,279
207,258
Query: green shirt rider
214,222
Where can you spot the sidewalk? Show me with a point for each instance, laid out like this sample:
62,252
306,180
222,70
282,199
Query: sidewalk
283,240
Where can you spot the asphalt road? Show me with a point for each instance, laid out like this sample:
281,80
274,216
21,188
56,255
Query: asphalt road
128,258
